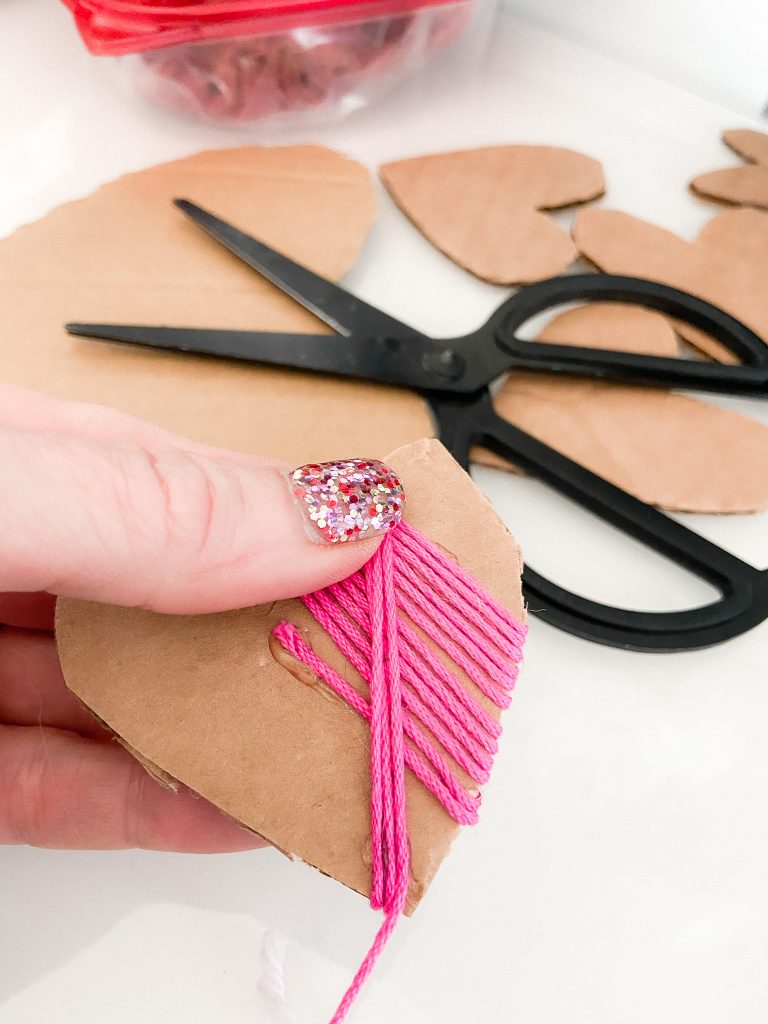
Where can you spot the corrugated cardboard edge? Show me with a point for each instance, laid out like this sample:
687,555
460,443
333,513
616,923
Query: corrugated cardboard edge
244,714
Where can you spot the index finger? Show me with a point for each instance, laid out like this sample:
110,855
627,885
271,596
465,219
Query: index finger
61,791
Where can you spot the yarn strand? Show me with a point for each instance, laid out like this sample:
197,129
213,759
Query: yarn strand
421,714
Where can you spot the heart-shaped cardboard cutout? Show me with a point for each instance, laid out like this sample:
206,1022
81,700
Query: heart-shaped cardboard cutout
746,185
211,702
126,254
749,144
667,449
481,207
725,265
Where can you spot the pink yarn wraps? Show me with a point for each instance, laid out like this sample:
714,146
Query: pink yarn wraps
421,714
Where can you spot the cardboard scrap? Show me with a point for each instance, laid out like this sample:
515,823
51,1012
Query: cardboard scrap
612,325
669,450
126,254
211,702
746,185
747,143
482,207
725,265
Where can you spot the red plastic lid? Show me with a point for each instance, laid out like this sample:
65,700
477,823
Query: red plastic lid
115,27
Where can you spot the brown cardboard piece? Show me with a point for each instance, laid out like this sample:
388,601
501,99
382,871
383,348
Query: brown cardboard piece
669,450
726,264
125,253
612,325
481,207
746,185
211,702
747,143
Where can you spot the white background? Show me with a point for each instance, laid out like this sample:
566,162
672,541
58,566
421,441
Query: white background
715,49
619,872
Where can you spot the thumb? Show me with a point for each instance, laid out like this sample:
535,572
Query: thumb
172,528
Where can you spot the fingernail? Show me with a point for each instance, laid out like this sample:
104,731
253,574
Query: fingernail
347,500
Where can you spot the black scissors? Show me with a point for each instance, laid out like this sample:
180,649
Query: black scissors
453,375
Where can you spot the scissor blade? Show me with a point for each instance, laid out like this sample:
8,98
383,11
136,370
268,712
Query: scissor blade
412,363
329,302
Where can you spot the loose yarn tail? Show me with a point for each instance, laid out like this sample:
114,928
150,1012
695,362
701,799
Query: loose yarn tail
416,705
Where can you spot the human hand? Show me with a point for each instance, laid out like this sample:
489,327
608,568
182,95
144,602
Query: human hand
102,506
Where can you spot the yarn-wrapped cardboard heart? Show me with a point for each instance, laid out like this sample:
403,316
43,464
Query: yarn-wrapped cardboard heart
744,185
214,702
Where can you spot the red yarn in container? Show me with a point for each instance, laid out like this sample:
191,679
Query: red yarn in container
241,60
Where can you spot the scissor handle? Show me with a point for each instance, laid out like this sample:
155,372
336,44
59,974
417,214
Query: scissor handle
749,378
465,421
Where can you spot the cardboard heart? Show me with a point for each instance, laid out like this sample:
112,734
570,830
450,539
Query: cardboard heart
213,702
126,254
612,325
746,185
749,144
669,450
726,264
481,207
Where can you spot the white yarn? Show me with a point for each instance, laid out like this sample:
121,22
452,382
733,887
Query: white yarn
271,985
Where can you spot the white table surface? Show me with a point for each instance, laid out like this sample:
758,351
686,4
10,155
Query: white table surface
715,49
619,872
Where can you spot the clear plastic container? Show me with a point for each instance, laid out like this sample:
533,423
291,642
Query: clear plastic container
240,61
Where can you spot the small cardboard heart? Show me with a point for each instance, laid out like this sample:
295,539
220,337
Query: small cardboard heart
614,326
125,253
743,186
669,450
481,207
725,265
749,144
212,702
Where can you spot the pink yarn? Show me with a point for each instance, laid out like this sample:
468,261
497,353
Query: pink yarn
417,704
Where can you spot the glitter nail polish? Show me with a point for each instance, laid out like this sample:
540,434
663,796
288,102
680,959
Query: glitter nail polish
348,500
